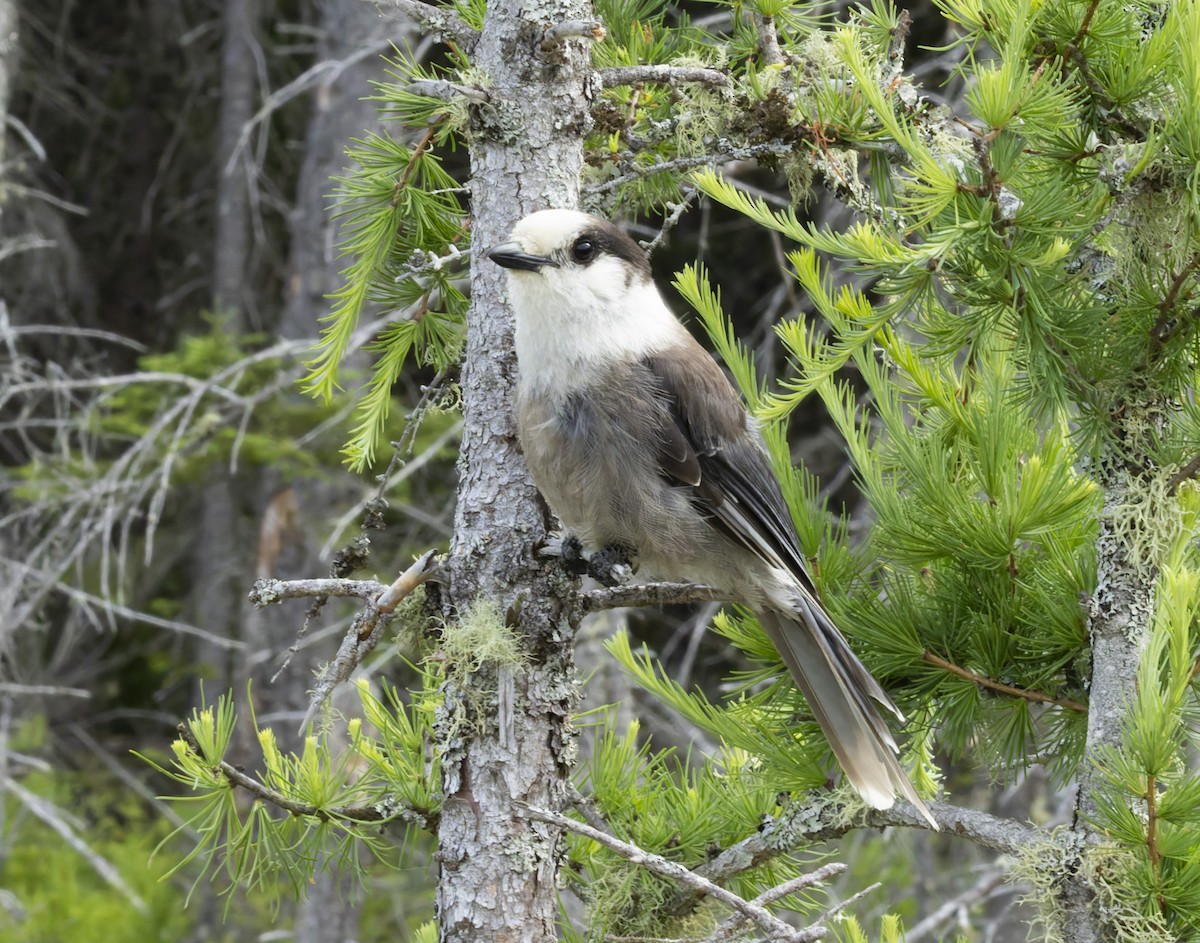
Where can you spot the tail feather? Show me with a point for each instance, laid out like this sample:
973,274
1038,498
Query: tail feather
842,695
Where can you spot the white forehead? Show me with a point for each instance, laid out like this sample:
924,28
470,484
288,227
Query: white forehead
547,230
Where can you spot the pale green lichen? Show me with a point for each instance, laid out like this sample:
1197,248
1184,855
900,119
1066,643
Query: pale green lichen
480,639
1143,516
1103,870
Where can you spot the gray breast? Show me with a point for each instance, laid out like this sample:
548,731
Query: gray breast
588,454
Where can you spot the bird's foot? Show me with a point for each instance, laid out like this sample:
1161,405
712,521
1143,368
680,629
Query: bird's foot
610,566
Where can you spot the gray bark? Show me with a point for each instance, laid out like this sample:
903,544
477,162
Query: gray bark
498,870
239,86
1118,620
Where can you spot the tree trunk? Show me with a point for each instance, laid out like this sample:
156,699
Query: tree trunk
239,88
1118,619
498,870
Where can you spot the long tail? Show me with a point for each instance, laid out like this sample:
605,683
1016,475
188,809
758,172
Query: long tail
842,695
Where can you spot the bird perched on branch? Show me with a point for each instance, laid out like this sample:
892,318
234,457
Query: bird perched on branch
638,441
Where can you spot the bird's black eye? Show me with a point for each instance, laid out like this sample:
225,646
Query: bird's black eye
584,250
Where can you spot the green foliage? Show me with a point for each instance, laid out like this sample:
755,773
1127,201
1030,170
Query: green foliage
317,809
404,229
763,724
1027,325
686,813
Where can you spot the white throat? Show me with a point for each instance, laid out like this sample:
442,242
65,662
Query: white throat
570,329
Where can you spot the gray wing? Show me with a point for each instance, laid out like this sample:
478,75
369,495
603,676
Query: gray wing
707,442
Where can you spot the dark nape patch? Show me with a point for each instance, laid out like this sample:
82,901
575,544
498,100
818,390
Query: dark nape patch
611,240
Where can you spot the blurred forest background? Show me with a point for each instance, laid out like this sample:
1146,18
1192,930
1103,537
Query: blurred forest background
167,248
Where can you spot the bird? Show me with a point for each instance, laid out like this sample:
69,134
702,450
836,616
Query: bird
639,443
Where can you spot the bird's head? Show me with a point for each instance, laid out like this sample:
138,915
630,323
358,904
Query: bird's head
583,297
582,258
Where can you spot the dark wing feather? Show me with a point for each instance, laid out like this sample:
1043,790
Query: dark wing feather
709,445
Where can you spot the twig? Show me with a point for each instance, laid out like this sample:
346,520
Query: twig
768,40
727,929
1152,848
1162,330
114,609
436,19
1188,471
677,211
648,594
993,685
821,819
934,922
559,33
687,163
772,926
1086,23
53,690
268,591
446,91
365,631
661,74
899,40
298,86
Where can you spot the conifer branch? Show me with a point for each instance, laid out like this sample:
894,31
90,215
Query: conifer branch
999,686
558,34
648,594
1187,471
662,74
439,20
772,926
260,790
1163,328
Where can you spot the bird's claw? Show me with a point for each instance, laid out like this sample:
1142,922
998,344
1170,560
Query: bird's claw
610,566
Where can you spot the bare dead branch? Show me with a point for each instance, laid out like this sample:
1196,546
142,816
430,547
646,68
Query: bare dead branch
559,33
49,690
268,591
661,74
731,928
439,20
648,594
982,889
365,631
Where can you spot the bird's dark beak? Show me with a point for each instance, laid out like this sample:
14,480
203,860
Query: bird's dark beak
510,255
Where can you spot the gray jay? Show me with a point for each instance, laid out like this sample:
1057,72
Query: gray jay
637,440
